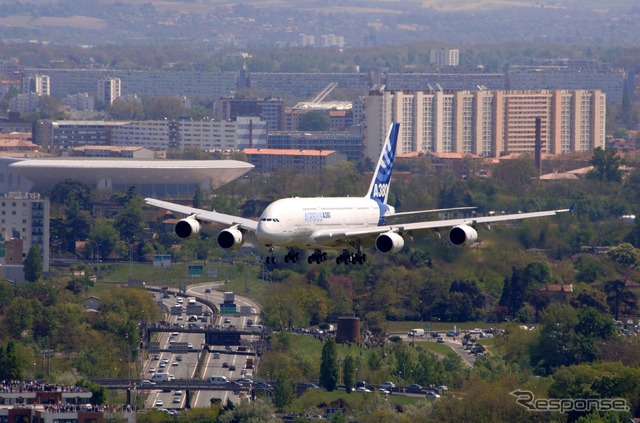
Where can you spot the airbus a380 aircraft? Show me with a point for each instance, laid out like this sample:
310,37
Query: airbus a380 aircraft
347,224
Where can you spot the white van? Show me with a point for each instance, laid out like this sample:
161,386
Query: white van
218,380
162,377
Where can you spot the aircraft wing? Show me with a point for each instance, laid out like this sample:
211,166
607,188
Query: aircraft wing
329,236
206,215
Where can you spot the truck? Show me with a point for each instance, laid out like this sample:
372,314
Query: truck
416,332
191,301
229,297
249,363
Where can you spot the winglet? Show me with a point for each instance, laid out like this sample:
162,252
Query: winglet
571,209
379,189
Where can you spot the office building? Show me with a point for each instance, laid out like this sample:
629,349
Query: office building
267,160
348,143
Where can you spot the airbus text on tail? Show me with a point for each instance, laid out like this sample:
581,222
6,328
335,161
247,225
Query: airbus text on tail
379,189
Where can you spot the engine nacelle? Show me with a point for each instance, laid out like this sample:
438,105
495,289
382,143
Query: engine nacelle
186,228
230,239
389,242
462,235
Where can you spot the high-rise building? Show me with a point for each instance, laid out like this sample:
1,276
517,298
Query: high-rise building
24,216
444,57
39,84
108,90
487,123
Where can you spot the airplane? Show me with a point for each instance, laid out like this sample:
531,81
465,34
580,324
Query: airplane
346,224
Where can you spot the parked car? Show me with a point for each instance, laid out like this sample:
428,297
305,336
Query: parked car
414,388
431,394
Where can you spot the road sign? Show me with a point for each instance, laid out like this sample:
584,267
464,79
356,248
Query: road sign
162,260
212,272
196,270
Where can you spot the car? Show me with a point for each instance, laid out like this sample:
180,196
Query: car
225,365
176,400
180,300
178,358
207,291
232,367
180,317
152,369
165,360
190,345
175,363
156,357
440,340
178,392
414,388
431,394
243,382
363,389
361,384
147,382
227,320
388,385
162,365
384,391
159,403
216,356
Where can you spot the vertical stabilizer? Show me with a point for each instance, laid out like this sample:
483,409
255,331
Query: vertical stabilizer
379,189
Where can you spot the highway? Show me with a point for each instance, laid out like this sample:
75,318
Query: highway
185,366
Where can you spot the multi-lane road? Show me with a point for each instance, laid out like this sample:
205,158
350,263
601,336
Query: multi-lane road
201,362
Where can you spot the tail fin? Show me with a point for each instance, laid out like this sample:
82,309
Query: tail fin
379,189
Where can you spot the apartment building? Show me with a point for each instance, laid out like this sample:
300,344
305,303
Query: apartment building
25,217
486,123
39,84
108,90
444,56
167,82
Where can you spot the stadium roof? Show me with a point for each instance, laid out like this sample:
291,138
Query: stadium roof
45,173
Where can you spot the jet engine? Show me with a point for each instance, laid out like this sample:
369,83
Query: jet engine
462,235
389,242
230,239
186,228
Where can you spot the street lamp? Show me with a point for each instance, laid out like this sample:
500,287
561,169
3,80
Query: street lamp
97,256
130,258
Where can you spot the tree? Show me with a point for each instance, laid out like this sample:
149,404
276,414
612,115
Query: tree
33,264
105,236
619,297
282,391
606,166
198,200
130,222
329,365
349,373
316,120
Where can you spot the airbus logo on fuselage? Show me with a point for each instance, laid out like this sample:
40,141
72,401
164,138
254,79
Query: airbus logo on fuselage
316,216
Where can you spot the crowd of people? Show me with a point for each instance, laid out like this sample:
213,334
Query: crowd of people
37,386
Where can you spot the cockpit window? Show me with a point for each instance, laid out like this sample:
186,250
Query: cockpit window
269,219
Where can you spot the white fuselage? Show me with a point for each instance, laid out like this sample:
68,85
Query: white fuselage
292,222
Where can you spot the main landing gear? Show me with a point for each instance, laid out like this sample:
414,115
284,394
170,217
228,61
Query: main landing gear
292,256
353,258
317,257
